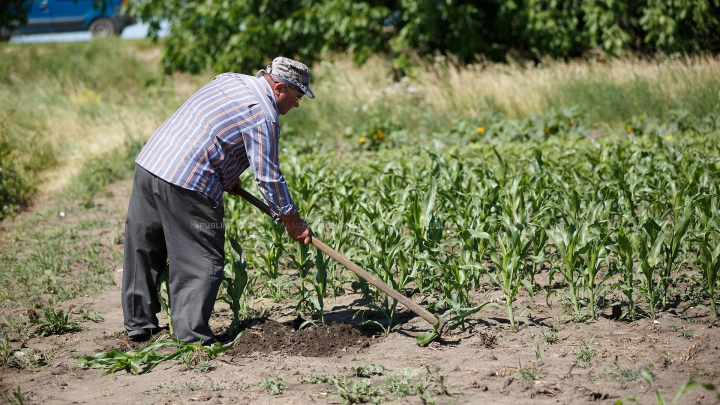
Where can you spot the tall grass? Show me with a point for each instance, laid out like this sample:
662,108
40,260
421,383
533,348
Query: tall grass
82,100
607,93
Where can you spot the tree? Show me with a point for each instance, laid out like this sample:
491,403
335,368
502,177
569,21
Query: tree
243,35
13,13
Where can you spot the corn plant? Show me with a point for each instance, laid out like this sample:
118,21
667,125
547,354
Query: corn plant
648,242
235,280
163,295
508,256
144,360
321,264
592,256
453,322
710,265
384,255
270,249
623,247
671,249
569,241
302,261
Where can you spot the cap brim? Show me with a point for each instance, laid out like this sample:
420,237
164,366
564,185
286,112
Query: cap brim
309,92
299,87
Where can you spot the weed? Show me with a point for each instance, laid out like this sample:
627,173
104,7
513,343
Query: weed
529,373
617,375
273,387
668,359
687,333
15,328
51,322
318,379
677,397
586,351
5,352
86,315
18,397
549,334
368,370
173,388
402,386
359,392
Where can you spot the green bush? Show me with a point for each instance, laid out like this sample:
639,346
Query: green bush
21,159
242,36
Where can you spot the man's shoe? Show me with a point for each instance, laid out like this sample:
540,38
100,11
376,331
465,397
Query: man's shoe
143,334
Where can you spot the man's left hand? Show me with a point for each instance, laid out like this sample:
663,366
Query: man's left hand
235,190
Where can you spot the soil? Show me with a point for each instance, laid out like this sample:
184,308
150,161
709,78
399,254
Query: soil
268,336
485,362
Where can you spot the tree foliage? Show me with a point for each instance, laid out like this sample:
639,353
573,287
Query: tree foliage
244,35
13,13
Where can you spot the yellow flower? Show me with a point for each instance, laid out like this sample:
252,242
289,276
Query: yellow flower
362,140
481,130
629,128
547,130
85,96
380,134
669,137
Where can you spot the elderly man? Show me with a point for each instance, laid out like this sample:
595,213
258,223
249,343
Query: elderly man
176,212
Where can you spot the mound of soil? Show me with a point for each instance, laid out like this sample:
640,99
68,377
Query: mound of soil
322,341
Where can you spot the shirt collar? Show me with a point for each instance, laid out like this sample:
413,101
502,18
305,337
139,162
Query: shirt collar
269,93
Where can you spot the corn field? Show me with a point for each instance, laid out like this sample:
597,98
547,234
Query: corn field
598,220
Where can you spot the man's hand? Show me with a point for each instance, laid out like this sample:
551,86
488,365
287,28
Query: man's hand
297,228
235,190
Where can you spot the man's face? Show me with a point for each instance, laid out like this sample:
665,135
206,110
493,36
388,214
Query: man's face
286,97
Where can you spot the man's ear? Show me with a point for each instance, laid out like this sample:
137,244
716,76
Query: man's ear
277,88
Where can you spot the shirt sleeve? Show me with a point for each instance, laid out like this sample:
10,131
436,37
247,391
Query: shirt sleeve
262,145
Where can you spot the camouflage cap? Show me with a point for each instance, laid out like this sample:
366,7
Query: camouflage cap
292,73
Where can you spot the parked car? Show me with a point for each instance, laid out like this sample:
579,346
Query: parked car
48,16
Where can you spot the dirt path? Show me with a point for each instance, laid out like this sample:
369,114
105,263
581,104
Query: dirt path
486,363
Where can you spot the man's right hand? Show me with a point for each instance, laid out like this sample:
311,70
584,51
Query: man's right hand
297,228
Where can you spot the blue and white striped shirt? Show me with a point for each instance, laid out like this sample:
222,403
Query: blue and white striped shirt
227,126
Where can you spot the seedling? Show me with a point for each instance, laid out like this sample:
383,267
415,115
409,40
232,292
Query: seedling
318,379
529,373
18,397
273,387
687,333
368,370
659,400
549,334
586,351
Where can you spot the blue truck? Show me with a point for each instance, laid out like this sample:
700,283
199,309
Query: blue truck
101,18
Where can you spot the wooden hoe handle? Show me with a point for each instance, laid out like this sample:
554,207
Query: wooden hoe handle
420,311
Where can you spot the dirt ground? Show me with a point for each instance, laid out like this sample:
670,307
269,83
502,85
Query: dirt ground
485,363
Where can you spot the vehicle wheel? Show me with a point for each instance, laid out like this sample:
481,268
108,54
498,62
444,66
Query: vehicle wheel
103,28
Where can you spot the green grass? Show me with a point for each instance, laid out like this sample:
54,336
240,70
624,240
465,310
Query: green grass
100,171
53,260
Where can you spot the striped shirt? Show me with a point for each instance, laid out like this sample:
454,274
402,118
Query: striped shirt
227,126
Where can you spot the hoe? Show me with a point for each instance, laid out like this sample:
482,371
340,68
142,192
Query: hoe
440,324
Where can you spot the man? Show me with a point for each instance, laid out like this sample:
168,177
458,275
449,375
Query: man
176,213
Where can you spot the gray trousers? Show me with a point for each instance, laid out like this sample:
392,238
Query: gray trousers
169,224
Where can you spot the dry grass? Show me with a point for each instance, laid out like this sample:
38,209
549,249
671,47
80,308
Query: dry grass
611,90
